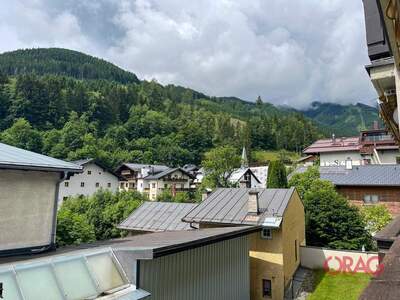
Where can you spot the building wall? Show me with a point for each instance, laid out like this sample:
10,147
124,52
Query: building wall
98,175
388,196
214,272
339,158
388,156
262,175
27,202
274,259
156,187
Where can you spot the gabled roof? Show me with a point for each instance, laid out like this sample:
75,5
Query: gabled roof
239,173
165,173
138,167
366,175
16,158
158,216
230,206
83,162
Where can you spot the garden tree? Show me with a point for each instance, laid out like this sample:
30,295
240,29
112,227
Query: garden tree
276,175
73,228
180,197
376,217
303,181
219,164
22,135
98,215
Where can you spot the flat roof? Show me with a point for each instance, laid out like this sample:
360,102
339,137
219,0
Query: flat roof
230,206
158,216
148,246
16,158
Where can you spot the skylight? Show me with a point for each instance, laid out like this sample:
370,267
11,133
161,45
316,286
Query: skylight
84,276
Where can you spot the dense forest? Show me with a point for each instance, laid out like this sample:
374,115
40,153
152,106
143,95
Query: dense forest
70,105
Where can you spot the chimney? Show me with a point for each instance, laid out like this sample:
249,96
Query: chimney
349,164
205,194
333,138
252,204
375,125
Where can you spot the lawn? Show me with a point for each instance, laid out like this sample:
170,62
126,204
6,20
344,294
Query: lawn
343,286
262,156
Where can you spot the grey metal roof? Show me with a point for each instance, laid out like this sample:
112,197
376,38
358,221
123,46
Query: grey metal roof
367,175
165,173
138,167
16,158
82,162
229,206
158,216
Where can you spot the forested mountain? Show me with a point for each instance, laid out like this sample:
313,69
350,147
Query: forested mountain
49,104
343,120
66,62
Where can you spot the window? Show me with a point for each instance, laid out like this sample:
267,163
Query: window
295,250
82,184
267,288
165,186
371,199
266,234
109,184
97,184
66,184
122,185
89,172
153,185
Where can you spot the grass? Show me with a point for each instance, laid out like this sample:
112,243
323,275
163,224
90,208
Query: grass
343,286
262,156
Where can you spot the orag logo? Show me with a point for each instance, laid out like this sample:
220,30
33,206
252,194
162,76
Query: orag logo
347,264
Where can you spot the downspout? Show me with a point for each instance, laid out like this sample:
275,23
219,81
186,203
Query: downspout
63,176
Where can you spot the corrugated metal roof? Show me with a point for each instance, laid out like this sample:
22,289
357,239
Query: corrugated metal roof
367,175
229,206
337,145
158,216
16,158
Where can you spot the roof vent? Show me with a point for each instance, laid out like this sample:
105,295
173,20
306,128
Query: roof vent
252,204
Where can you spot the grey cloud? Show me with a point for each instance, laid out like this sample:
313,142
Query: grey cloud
288,54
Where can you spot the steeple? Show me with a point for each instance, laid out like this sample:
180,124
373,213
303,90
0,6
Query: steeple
245,162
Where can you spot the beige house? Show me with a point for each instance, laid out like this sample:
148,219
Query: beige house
152,180
29,185
274,253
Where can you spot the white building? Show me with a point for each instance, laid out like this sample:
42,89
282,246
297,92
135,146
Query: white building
261,173
244,178
154,179
93,178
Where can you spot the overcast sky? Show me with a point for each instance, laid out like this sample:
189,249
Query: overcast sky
289,52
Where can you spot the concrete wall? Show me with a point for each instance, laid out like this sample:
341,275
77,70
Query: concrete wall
97,175
315,258
27,202
218,271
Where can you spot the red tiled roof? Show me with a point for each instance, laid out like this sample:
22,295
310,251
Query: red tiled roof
330,145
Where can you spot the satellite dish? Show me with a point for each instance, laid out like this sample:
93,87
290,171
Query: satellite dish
396,116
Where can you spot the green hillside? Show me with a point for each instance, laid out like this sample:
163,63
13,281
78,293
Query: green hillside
48,106
343,120
65,62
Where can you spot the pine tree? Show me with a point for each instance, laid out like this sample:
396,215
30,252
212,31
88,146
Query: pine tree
276,175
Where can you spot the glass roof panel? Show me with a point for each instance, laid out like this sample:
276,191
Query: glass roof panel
10,288
75,279
103,267
37,282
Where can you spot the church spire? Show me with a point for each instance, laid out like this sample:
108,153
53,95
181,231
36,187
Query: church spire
245,162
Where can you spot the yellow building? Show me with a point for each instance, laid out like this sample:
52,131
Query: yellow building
274,253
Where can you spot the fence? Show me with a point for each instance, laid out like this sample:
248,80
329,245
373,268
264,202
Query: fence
339,260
